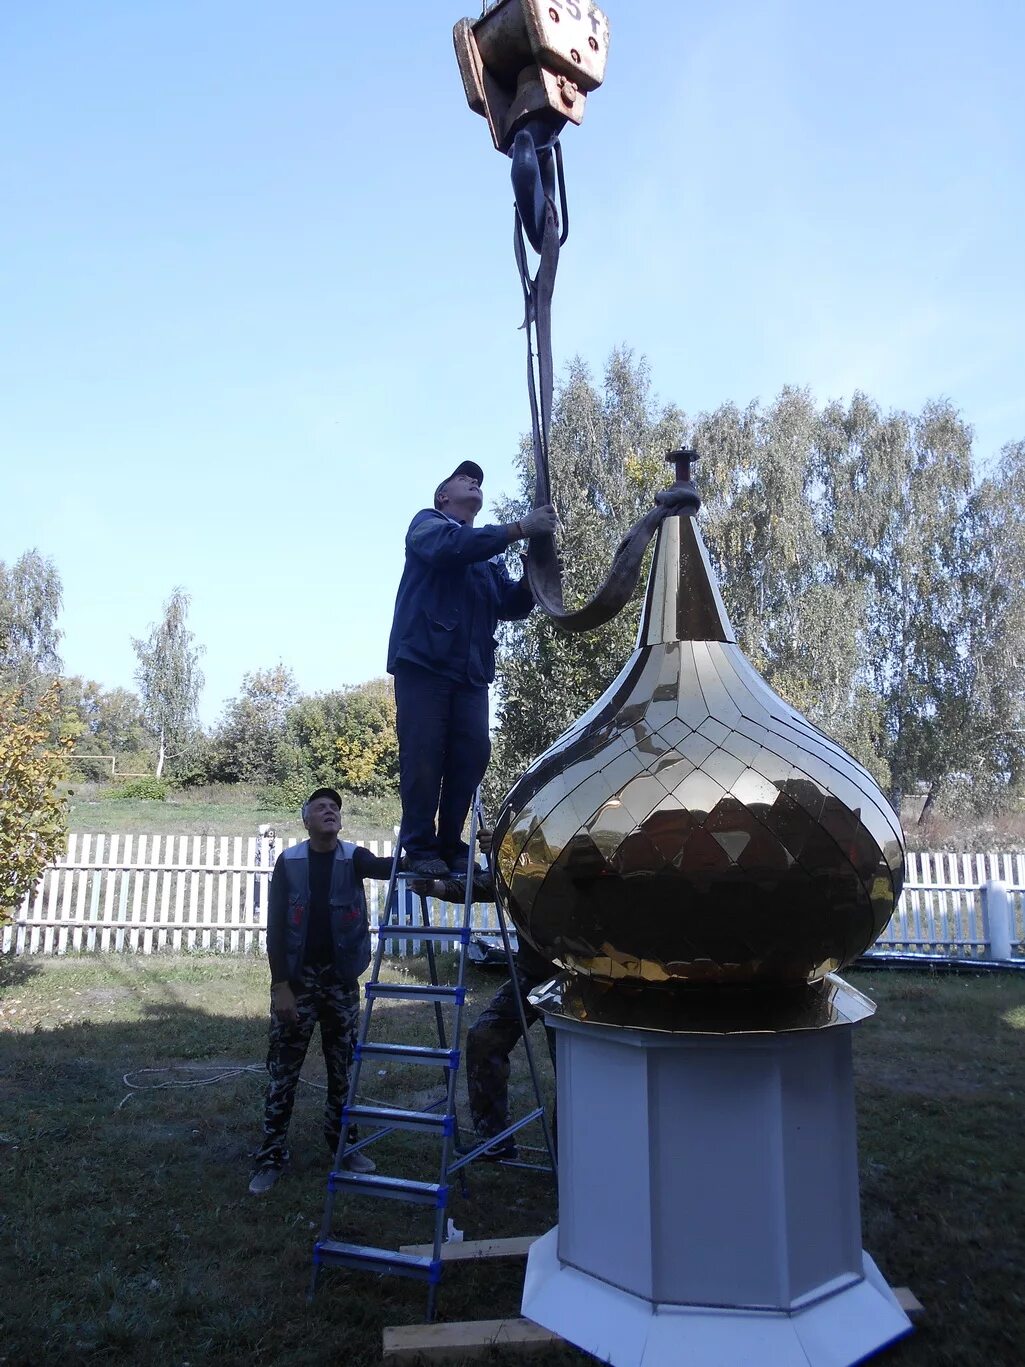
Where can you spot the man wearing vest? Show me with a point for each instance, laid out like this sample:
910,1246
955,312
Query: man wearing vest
318,943
454,591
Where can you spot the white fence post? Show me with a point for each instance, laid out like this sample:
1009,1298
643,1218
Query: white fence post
996,911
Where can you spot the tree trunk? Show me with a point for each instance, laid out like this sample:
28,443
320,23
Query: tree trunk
933,794
160,756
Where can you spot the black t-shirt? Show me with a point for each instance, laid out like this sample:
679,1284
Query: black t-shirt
318,932
318,952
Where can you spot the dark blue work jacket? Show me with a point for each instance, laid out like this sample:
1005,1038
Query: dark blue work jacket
453,592
288,915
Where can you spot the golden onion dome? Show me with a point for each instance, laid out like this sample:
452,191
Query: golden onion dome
692,827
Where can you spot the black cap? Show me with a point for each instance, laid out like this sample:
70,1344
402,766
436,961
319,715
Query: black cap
322,792
466,467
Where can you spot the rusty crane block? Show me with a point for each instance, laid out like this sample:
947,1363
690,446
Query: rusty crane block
531,63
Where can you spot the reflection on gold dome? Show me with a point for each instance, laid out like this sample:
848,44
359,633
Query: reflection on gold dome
692,827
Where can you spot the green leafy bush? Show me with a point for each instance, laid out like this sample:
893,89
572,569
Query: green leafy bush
33,811
148,789
294,791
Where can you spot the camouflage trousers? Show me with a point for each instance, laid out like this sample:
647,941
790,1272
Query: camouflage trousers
319,996
489,1042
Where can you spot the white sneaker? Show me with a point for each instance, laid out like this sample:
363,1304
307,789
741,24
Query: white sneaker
357,1161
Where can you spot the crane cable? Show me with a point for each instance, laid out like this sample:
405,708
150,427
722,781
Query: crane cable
544,568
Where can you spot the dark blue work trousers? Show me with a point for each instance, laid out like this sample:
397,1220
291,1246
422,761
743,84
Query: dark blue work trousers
444,748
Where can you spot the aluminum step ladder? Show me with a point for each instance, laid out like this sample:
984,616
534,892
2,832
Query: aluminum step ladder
434,1123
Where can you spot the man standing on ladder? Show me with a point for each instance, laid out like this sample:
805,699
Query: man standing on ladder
454,590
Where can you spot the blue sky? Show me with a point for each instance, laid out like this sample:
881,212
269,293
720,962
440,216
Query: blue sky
258,292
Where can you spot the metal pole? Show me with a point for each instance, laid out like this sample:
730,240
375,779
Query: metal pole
998,920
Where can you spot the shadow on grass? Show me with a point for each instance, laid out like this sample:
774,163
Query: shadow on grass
127,1232
127,1235
14,970
941,1109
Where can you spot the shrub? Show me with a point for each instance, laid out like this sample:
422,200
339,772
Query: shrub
33,813
148,789
294,791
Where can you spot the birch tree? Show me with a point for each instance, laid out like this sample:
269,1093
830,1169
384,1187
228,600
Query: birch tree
894,492
875,582
169,678
30,603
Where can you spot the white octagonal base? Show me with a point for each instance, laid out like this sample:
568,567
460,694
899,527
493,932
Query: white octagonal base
708,1202
844,1327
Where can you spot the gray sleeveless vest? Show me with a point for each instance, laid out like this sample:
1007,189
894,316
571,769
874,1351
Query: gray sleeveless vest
350,929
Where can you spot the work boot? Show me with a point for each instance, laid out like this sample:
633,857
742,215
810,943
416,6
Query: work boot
426,866
458,859
498,1152
263,1179
358,1161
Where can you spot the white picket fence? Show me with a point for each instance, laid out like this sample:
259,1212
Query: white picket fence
146,893
969,906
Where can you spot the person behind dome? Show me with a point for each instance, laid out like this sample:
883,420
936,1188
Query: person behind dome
498,1027
454,590
490,1041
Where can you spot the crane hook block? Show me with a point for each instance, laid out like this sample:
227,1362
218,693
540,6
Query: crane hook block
531,63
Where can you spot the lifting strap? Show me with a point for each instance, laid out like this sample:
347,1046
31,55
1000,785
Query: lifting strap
544,569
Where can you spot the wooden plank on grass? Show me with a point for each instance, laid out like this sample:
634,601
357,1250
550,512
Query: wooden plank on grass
412,1341
468,1249
908,1301
465,1337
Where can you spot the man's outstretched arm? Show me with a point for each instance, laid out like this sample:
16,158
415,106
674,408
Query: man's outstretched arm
437,540
367,865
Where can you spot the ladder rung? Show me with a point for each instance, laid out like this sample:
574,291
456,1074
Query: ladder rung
425,992
397,1119
394,931
336,1254
395,1188
407,876
409,1053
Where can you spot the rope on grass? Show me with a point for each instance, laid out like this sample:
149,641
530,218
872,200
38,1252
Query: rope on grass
216,1075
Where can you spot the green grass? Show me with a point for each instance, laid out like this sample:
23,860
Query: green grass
127,1235
222,810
